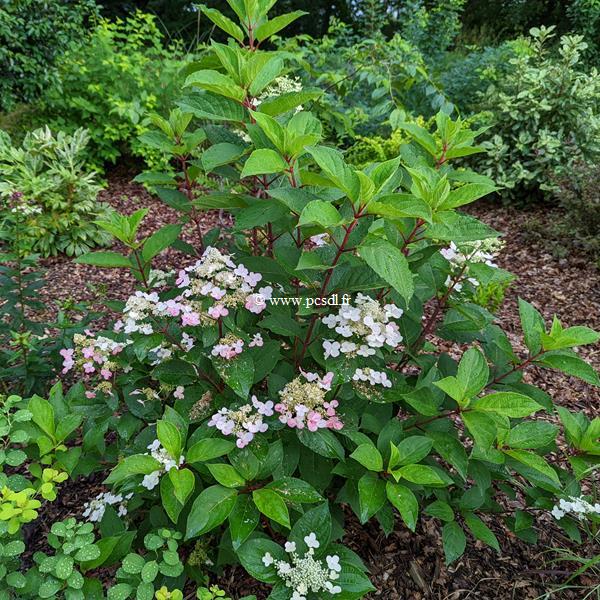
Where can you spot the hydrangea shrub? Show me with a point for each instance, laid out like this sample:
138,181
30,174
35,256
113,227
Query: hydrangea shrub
292,374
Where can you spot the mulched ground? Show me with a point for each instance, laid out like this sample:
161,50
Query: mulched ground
406,565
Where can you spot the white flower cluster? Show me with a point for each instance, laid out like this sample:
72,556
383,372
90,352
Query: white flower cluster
306,574
243,422
167,463
372,377
367,325
577,506
94,509
159,279
281,85
216,276
481,251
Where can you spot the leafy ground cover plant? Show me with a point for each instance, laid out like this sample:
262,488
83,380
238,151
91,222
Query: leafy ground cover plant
545,117
45,183
249,400
109,83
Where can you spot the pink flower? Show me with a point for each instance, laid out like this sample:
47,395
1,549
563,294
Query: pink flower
106,373
88,352
314,421
330,407
90,394
217,311
256,341
325,383
217,293
173,308
179,392
88,367
183,280
67,354
334,423
190,318
252,278
255,303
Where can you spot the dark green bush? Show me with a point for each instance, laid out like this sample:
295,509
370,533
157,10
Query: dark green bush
33,34
111,82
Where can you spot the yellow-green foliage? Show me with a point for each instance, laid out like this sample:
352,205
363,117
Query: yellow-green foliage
378,148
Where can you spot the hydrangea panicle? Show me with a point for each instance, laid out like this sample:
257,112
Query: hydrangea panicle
303,404
366,325
306,574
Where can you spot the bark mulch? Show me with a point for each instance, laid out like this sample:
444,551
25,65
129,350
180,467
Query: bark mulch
409,565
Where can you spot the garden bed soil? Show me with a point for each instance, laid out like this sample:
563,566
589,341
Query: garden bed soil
404,565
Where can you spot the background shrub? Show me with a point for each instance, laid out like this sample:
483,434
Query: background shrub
545,116
54,191
33,34
110,82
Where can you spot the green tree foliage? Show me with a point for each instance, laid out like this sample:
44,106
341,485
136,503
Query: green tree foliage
33,36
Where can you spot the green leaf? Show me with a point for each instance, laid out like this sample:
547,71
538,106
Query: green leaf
104,259
570,337
481,531
251,555
413,449
213,107
208,449
473,372
466,194
332,164
316,520
421,136
482,428
210,508
568,362
243,520
276,24
221,154
170,438
508,404
535,462
237,373
295,490
454,541
531,434
272,129
278,105
42,415
138,464
371,495
263,161
532,324
321,213
226,475
272,505
217,83
440,510
369,457
421,474
223,22
389,263
265,75
400,206
159,241
405,502
323,442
